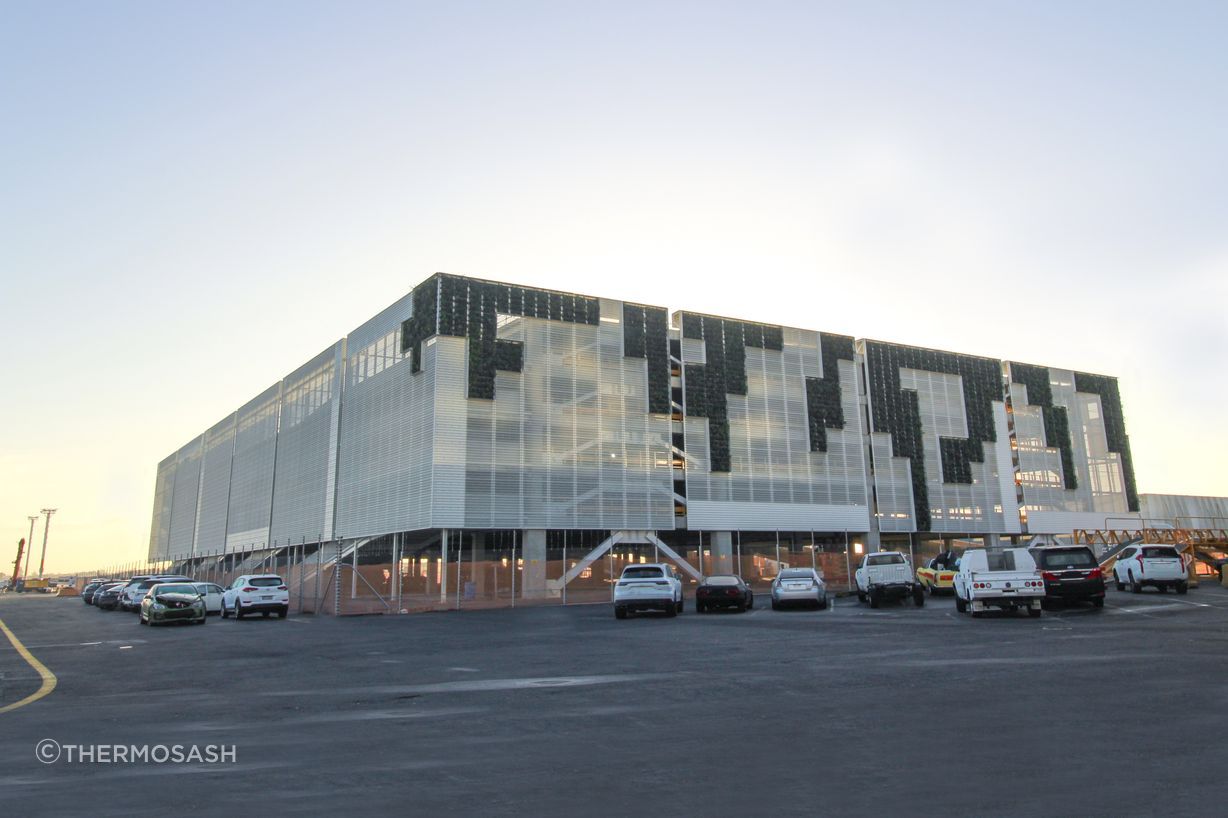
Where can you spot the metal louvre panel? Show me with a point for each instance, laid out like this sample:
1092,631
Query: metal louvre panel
385,432
185,499
300,479
958,507
893,487
775,480
566,443
160,526
1051,508
251,482
215,486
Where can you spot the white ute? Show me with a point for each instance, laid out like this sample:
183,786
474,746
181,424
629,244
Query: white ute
886,575
1000,578
648,587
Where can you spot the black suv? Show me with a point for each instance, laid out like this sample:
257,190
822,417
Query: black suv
1071,573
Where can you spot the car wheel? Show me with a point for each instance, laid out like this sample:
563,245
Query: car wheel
960,605
699,606
918,596
823,603
860,596
741,607
283,613
671,610
238,611
775,605
1121,586
1135,586
225,613
750,602
620,612
875,599
678,606
1098,602
1183,587
1033,612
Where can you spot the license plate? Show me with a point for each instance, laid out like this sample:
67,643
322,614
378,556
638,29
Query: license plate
266,597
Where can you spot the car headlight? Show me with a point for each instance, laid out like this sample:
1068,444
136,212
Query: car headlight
158,606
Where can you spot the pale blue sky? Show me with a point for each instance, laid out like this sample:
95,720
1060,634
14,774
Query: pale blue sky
196,198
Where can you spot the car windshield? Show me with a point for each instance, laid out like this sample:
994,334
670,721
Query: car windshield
721,580
162,590
1067,558
884,559
642,573
265,582
796,573
1160,553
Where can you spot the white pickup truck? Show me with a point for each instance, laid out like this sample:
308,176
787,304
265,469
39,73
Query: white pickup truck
886,575
999,578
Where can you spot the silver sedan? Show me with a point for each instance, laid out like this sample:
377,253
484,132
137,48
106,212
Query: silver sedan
799,586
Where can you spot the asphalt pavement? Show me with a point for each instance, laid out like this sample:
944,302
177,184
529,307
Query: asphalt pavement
566,711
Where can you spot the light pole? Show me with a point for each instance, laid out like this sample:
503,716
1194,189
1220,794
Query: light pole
29,545
46,526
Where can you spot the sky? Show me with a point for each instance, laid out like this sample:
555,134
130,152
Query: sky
196,198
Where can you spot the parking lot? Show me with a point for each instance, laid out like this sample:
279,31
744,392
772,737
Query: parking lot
566,711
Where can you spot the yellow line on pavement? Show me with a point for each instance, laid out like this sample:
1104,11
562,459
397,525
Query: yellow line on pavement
48,677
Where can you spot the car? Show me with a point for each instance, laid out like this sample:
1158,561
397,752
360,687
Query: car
1003,578
723,591
884,576
938,575
134,592
256,593
106,598
799,586
1070,573
648,587
1160,566
172,602
87,593
212,595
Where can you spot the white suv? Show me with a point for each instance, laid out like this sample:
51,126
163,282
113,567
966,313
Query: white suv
256,593
1158,565
648,587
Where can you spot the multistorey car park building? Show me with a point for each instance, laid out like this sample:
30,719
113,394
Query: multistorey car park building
508,442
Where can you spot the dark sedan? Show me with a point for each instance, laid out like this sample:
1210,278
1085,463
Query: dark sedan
106,598
87,593
1071,574
723,591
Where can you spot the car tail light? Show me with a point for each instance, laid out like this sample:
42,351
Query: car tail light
250,590
283,588
1049,576
731,592
1140,559
1095,573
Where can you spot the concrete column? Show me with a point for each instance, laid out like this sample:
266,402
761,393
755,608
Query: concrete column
534,574
992,540
721,544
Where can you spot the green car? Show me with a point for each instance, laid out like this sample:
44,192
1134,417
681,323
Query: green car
173,602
